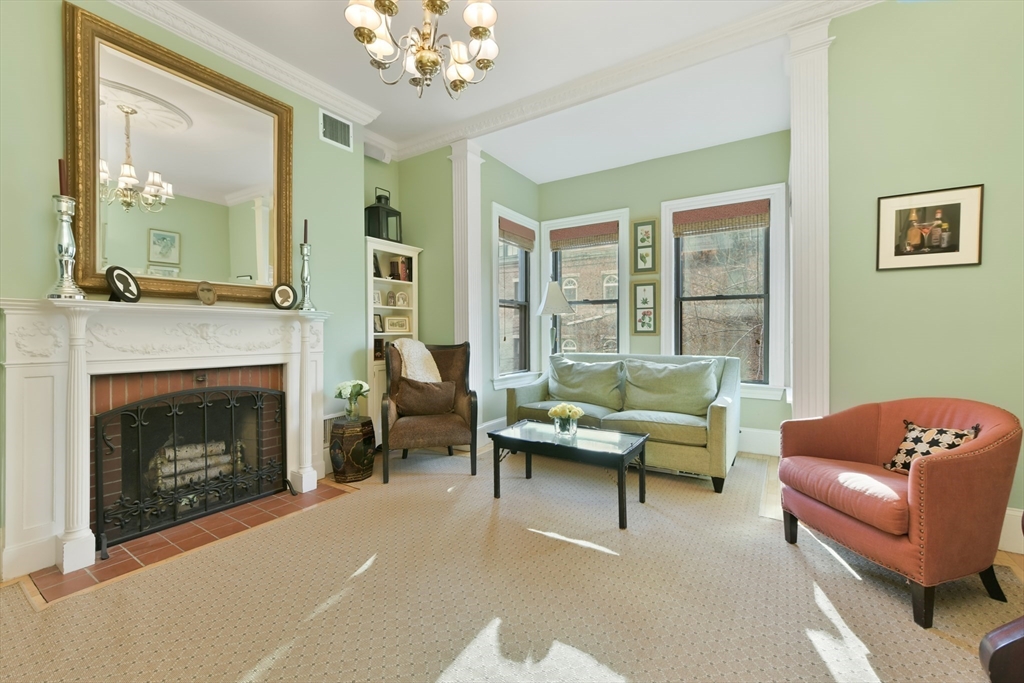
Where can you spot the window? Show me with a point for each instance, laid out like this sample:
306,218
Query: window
568,346
513,290
728,274
513,309
594,327
611,287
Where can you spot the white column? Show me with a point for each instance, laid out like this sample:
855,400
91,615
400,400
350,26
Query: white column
77,543
466,161
808,167
304,478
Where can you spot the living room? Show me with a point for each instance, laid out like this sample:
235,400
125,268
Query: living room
840,107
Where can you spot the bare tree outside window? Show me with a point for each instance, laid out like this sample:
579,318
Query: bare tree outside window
721,297
583,273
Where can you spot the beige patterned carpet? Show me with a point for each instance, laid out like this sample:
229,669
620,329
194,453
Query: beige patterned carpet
430,578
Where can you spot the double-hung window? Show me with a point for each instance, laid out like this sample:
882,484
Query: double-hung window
585,260
728,277
514,240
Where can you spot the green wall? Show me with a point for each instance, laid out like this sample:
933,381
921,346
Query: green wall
426,182
203,227
905,119
642,188
378,174
498,183
327,182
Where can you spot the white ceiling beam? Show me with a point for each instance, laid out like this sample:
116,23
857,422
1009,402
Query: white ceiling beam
761,27
203,32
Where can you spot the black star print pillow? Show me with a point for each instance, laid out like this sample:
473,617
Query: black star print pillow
921,441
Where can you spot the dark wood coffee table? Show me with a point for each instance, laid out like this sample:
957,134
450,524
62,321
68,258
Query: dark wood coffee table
597,446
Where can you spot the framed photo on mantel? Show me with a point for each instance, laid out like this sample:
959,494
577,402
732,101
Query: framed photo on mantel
924,229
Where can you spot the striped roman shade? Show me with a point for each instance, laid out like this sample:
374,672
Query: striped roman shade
585,235
754,214
513,233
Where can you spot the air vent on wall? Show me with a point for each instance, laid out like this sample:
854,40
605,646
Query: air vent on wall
335,130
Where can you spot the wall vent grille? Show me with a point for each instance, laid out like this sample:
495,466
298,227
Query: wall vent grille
335,130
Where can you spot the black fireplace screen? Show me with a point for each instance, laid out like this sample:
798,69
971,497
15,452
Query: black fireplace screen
165,460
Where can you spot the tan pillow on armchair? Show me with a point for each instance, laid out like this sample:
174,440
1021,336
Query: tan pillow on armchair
424,398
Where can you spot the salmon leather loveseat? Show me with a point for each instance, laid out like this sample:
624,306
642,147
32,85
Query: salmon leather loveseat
919,486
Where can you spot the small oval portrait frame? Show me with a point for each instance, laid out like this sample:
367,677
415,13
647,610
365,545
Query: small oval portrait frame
123,285
284,297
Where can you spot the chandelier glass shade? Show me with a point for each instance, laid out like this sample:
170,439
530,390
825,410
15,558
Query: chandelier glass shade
423,52
155,193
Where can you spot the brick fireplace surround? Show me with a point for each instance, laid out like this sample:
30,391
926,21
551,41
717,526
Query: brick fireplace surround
51,351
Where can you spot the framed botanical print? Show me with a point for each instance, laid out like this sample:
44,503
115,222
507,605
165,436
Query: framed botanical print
644,247
923,229
645,308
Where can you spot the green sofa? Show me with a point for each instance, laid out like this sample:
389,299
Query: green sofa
691,413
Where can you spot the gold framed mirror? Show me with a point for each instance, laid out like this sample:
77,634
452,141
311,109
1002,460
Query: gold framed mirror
181,174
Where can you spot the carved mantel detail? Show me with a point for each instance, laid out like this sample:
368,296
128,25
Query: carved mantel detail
38,340
190,337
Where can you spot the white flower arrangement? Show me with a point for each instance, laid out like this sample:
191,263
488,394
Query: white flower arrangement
352,389
566,410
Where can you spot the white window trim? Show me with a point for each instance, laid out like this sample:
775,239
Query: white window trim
515,379
625,316
778,270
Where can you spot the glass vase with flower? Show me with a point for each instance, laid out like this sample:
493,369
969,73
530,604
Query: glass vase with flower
351,391
565,417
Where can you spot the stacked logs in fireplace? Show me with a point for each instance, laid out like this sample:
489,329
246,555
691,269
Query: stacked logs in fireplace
176,457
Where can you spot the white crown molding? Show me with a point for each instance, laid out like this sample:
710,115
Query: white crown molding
247,194
196,29
387,147
761,27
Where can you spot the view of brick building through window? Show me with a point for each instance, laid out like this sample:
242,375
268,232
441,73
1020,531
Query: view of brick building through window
590,274
513,309
721,297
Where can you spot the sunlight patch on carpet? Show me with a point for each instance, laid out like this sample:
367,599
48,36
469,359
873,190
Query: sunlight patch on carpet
833,553
482,661
575,541
846,656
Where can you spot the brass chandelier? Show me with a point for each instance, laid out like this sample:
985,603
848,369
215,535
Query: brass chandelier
422,50
156,191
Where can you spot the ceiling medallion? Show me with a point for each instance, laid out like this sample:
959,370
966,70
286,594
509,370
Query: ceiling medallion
422,51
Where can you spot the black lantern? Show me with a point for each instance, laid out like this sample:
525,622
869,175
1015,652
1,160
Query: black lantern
382,220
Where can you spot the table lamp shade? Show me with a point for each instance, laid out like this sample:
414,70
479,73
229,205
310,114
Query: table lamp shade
554,302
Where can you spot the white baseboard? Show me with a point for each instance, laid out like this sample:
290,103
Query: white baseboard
760,441
1011,540
481,431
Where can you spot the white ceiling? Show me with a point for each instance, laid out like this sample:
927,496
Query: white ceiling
738,96
563,75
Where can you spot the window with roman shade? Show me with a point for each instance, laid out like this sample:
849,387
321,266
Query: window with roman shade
515,242
581,258
721,288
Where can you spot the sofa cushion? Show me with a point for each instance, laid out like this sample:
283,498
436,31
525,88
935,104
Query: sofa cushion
865,492
539,411
595,383
689,388
424,398
689,430
921,441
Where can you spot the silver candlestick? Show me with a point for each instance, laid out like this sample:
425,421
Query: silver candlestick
65,287
307,303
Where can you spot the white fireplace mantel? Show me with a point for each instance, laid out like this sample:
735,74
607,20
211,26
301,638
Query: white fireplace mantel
49,351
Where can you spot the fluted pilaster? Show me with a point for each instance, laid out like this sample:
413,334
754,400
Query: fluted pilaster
304,478
809,239
466,183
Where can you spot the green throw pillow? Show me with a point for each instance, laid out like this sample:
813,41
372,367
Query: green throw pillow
687,389
597,383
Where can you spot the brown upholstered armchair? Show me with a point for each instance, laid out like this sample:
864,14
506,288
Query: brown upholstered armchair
455,427
940,523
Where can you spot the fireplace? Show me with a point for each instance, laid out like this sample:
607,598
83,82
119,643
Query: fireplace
173,456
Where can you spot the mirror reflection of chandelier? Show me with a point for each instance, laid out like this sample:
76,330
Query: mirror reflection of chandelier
421,52
155,192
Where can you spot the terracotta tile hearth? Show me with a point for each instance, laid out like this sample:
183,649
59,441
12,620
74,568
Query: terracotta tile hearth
141,552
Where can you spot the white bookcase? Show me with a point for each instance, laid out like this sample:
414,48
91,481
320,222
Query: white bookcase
385,251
